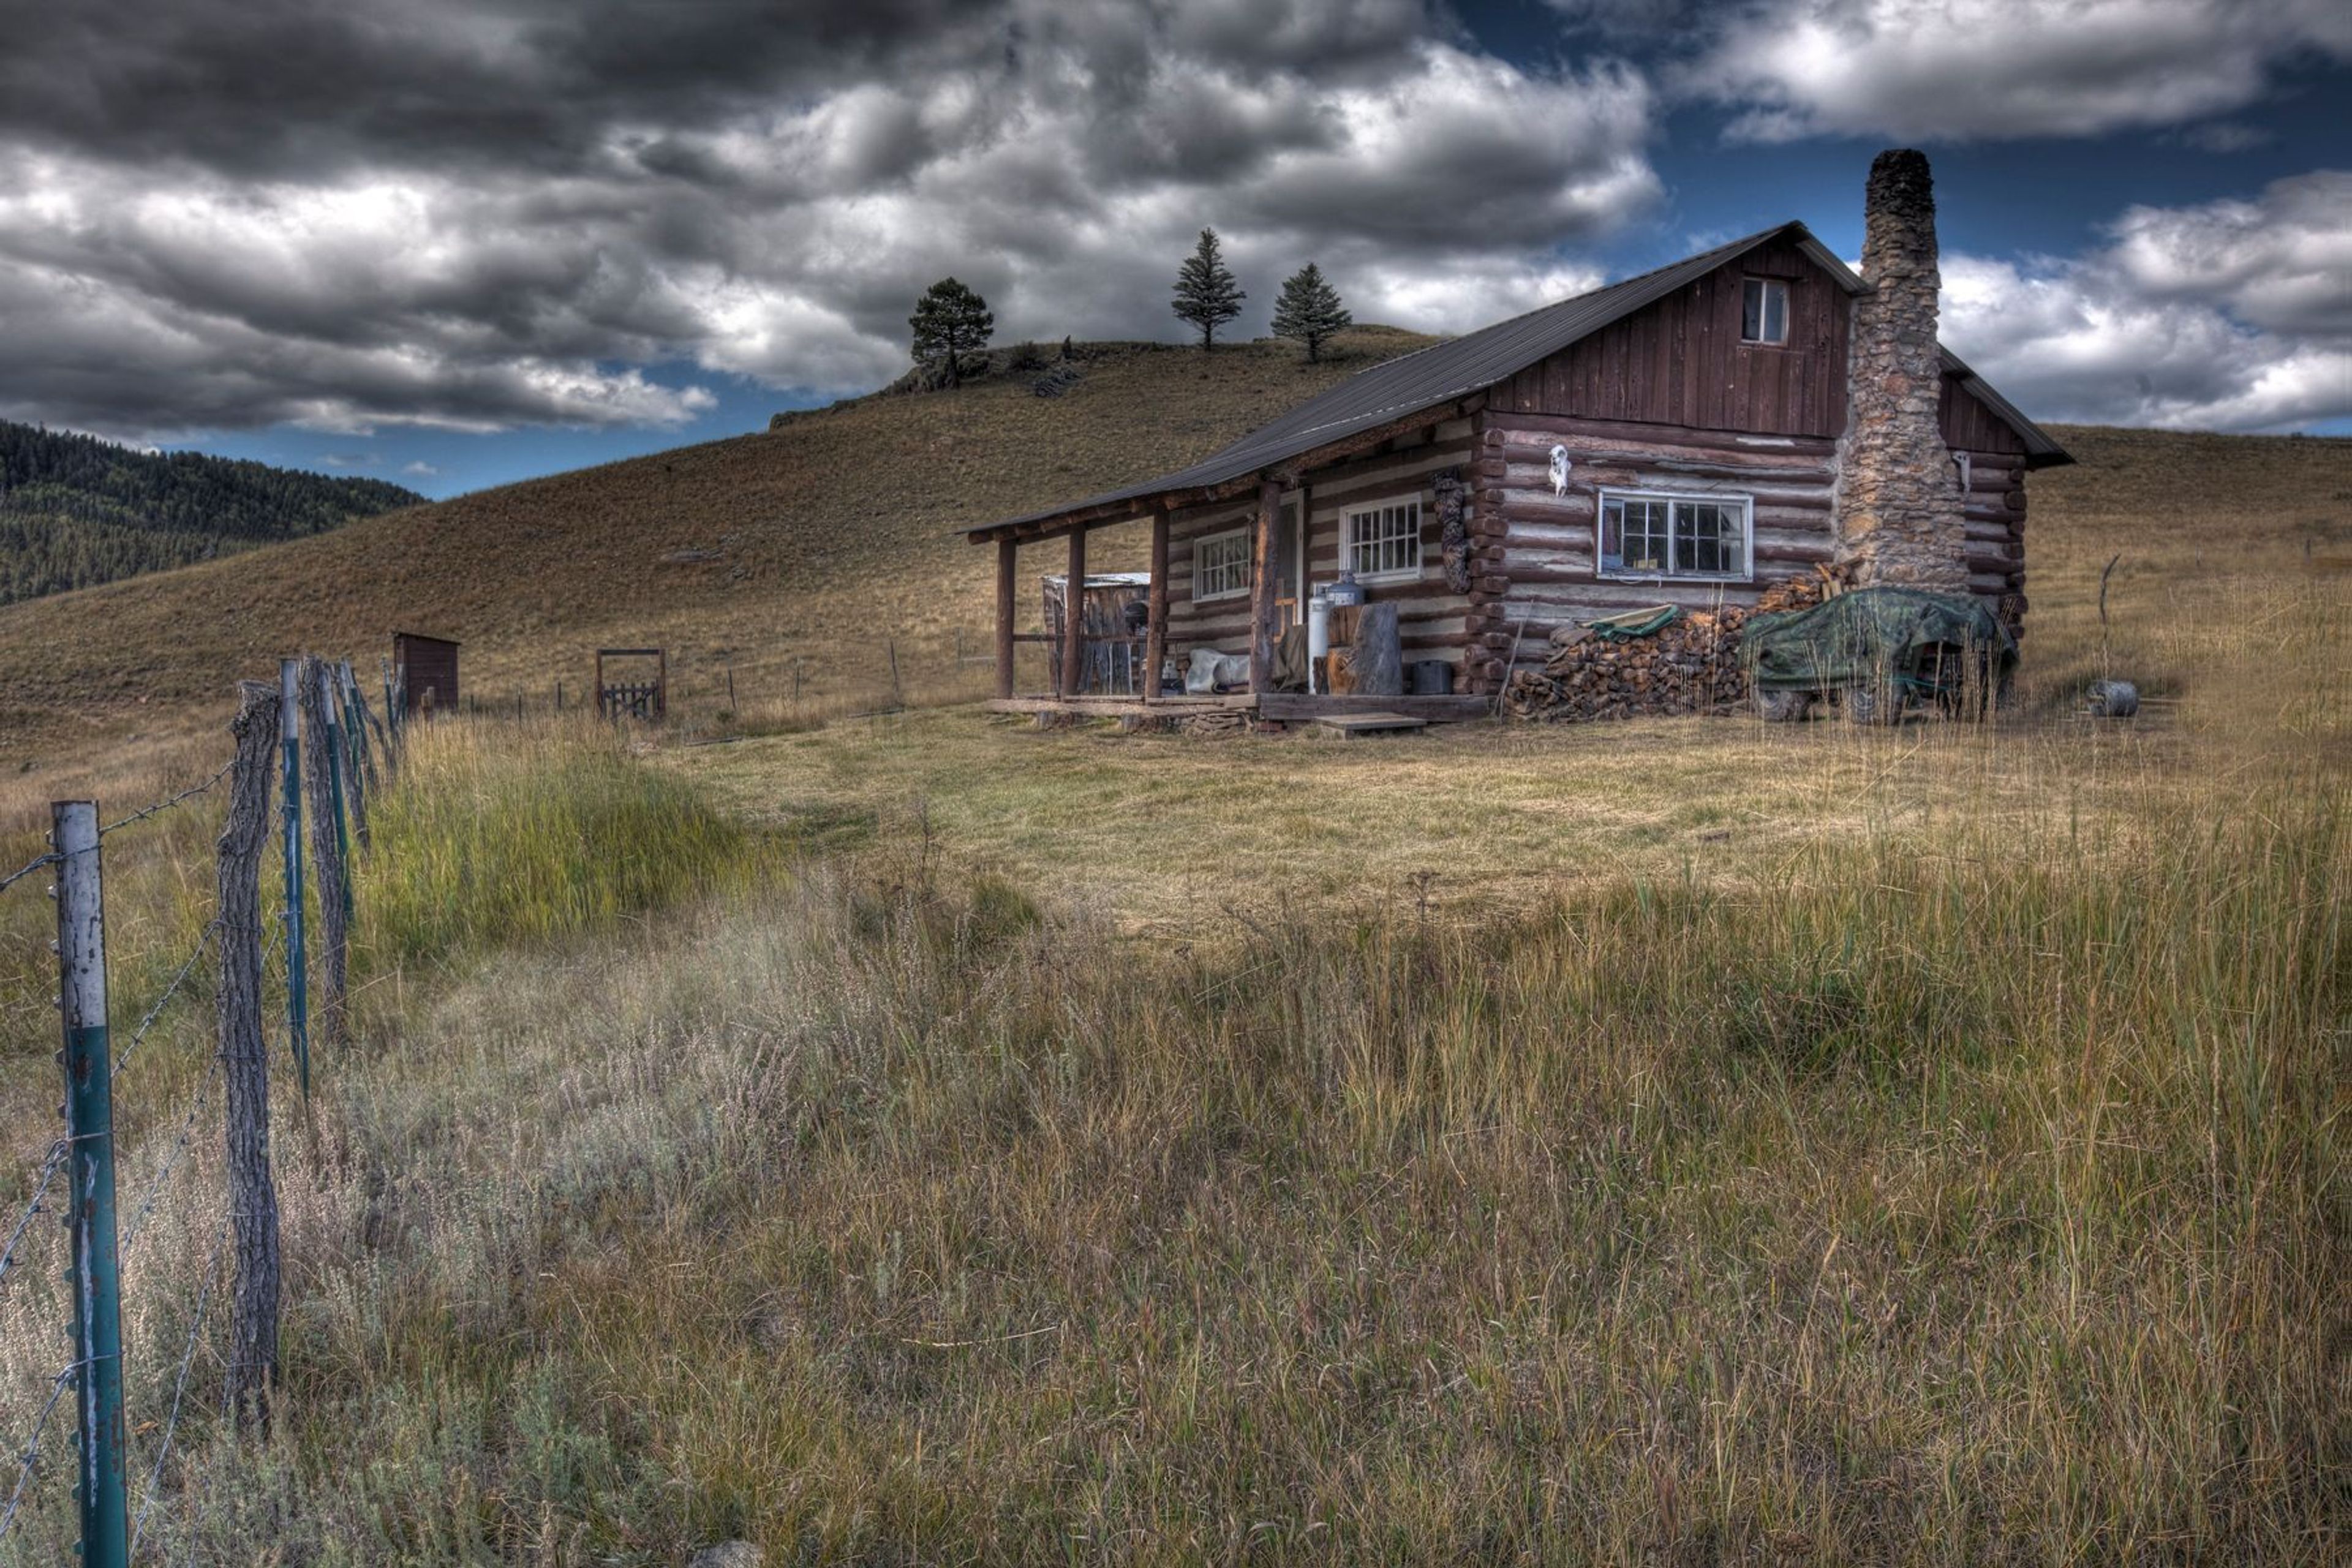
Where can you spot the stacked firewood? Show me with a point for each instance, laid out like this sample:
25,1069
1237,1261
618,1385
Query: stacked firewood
1691,665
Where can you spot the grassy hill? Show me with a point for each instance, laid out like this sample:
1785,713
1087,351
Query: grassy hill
804,557
816,540
76,510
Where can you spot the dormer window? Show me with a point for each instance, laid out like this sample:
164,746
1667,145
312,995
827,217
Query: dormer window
1764,314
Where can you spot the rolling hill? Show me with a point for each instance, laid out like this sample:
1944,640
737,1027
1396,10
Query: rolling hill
76,510
823,540
819,551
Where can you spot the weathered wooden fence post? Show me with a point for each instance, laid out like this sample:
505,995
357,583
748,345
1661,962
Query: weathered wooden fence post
298,966
90,1131
327,853
362,764
245,1058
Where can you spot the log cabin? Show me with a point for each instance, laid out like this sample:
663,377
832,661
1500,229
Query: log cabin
1684,436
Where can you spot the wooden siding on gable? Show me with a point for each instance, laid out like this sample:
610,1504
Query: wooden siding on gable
1680,362
1969,427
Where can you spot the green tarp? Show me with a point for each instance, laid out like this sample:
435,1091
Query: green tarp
1877,636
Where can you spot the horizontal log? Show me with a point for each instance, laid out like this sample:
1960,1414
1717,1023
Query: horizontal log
1527,483
1364,476
1546,429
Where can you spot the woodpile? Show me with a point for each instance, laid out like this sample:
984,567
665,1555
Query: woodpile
1689,665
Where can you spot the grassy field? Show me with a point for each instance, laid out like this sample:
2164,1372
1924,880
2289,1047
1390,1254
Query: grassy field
922,1140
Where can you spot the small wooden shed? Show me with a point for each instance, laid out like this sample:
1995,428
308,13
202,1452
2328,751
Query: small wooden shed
428,666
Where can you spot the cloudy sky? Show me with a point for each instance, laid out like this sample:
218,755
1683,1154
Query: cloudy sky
452,242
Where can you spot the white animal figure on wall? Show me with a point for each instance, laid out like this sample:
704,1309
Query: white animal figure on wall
1559,467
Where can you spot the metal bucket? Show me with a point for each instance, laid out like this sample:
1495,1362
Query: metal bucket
1431,677
2112,700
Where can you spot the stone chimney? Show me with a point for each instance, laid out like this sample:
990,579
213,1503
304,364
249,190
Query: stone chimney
1898,507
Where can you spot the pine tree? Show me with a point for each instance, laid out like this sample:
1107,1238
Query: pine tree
1206,293
1310,310
949,320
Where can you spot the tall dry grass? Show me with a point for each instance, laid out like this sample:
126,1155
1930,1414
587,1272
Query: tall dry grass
1970,1205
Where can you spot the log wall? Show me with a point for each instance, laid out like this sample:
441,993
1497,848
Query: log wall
1545,543
1431,620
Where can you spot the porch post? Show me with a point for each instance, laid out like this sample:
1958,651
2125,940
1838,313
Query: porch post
1155,635
1005,547
1073,606
1269,507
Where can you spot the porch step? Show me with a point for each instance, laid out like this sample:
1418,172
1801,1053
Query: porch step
1349,726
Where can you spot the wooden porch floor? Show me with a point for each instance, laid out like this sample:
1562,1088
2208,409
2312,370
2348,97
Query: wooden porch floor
1285,707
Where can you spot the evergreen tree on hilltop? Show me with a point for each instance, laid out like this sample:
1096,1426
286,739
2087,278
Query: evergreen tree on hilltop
950,320
1310,310
1206,293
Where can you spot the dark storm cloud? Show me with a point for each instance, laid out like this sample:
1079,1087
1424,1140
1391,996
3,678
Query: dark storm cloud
480,214
277,88
477,213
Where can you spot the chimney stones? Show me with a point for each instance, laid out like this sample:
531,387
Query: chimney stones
1898,510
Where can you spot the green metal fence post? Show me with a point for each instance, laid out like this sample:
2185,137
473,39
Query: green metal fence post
96,1279
298,1000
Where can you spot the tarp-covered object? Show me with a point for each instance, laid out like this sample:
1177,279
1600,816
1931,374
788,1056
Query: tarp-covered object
1878,637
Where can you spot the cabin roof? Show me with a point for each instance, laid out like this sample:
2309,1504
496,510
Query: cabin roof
1458,367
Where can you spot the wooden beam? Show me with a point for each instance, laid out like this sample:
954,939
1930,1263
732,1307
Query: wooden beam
1006,548
1073,614
1262,585
1155,635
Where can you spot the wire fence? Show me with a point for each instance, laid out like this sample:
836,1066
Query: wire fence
269,957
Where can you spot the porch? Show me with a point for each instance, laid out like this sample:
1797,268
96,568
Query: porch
1273,707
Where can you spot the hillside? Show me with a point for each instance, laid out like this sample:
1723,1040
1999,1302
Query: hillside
816,540
76,510
804,558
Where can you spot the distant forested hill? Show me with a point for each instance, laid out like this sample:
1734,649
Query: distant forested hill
74,510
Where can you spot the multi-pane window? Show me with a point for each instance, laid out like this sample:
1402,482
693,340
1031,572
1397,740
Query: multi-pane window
1764,311
1674,536
1221,565
1382,540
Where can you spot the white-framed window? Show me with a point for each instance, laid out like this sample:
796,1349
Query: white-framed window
1649,534
1764,311
1221,565
1381,541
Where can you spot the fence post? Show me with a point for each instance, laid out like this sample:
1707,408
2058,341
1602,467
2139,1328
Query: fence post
90,1130
355,748
392,718
338,771
297,984
245,1058
327,849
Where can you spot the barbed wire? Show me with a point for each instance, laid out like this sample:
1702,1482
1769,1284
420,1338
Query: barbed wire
138,1225
57,1152
122,1056
162,806
27,868
33,1446
179,1387
49,857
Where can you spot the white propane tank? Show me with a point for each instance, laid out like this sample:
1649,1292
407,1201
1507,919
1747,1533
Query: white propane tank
1318,633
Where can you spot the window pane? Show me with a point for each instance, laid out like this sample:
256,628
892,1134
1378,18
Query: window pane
1645,535
1612,535
1751,313
1776,313
1384,540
